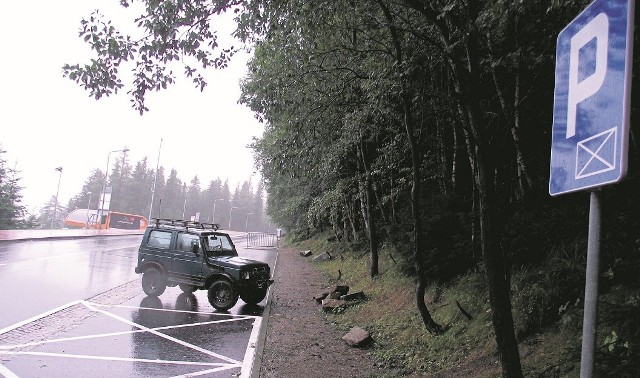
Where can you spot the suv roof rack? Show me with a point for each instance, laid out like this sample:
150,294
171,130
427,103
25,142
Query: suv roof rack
158,222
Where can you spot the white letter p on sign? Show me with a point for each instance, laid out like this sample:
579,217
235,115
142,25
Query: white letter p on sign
597,28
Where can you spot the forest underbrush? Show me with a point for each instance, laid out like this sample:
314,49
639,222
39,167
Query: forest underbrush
547,291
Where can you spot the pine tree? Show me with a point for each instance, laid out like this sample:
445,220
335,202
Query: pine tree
12,213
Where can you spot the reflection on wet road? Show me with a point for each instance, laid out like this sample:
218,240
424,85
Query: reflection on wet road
37,276
71,292
151,339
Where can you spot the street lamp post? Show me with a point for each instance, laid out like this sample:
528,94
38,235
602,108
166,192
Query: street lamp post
214,209
246,223
184,207
155,179
88,210
55,207
104,187
234,207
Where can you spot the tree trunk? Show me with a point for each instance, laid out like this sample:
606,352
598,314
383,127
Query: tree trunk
428,321
466,78
512,118
373,233
495,264
497,275
366,205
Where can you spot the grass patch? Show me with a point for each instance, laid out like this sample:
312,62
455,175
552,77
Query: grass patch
390,315
547,302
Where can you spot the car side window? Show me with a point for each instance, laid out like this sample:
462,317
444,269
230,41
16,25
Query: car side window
184,241
159,239
226,244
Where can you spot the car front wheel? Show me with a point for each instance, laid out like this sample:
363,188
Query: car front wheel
153,282
254,296
222,295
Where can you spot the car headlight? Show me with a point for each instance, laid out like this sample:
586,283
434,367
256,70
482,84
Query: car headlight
246,275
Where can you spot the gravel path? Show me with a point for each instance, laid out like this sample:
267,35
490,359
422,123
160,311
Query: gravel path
299,342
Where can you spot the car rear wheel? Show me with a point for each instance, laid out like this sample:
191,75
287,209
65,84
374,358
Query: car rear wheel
153,282
222,295
186,288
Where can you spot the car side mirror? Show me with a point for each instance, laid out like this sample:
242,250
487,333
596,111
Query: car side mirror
195,247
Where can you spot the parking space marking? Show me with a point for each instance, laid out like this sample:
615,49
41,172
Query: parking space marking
37,317
88,337
247,361
210,367
121,359
160,334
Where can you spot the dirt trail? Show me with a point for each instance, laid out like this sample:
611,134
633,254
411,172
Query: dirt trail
299,342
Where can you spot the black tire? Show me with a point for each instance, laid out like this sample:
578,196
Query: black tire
222,295
254,297
186,288
153,282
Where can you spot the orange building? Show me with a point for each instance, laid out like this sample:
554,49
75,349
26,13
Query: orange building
87,218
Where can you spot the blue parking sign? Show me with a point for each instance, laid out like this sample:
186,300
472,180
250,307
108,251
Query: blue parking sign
589,141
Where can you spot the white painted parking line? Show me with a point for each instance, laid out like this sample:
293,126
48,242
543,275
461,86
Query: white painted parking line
249,355
121,359
183,311
121,333
160,334
210,367
37,317
6,372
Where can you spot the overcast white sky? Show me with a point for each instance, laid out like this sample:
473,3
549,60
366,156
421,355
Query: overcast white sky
47,121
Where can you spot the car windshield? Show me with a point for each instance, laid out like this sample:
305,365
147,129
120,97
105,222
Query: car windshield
218,244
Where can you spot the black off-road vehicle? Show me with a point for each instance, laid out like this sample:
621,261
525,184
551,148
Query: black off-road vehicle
196,256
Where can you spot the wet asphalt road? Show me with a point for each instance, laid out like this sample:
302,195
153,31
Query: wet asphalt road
40,275
173,335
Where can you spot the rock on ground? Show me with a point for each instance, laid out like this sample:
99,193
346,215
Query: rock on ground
299,342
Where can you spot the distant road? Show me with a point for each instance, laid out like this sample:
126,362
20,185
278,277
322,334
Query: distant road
71,233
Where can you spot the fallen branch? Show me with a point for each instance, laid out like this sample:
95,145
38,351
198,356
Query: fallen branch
462,310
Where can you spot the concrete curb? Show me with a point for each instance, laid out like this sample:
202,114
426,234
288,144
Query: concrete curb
257,363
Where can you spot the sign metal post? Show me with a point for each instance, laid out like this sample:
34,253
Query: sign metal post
591,125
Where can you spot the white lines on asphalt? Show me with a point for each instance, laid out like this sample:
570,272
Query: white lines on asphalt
211,367
33,319
6,372
241,317
247,361
125,359
159,334
121,333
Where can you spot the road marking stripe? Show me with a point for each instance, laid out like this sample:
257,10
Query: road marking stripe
37,317
125,359
203,372
170,310
7,373
249,355
183,343
87,337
